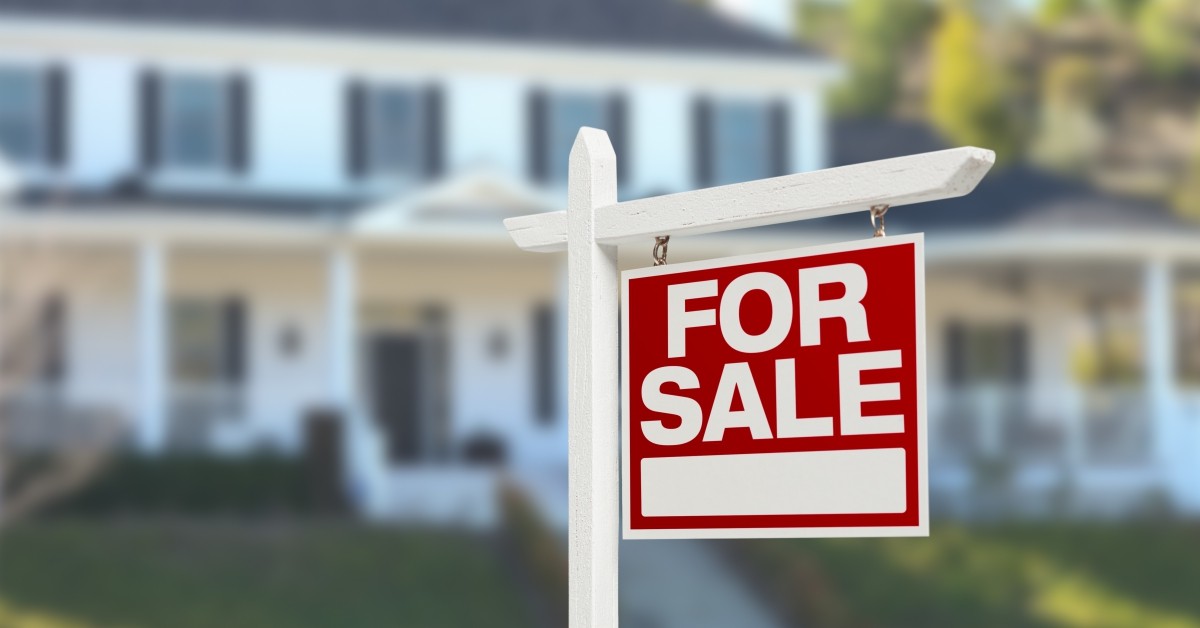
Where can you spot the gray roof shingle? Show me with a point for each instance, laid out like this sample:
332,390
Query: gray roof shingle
650,24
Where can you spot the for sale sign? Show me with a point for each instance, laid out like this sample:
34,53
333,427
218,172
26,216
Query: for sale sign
777,395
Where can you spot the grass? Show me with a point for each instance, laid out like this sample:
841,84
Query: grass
1027,574
83,574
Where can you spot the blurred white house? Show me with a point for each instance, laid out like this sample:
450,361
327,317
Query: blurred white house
233,217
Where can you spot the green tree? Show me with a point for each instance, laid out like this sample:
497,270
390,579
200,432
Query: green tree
1123,9
879,31
1069,134
1187,197
966,94
1167,32
1051,12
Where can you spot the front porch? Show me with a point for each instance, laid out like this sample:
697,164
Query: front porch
196,334
1062,386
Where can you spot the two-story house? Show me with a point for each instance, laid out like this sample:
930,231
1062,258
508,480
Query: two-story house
232,215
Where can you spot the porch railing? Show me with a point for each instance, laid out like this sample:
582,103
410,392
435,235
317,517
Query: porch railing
196,411
36,420
1069,427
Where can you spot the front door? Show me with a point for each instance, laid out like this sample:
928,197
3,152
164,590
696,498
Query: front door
397,393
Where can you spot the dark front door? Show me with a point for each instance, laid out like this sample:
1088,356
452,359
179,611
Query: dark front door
396,387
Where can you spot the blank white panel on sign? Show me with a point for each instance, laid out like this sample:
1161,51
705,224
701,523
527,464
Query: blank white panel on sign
860,481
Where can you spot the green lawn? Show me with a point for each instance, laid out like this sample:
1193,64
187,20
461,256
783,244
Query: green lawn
1069,575
69,574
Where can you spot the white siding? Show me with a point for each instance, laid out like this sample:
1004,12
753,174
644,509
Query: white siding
808,131
486,124
297,122
660,131
103,120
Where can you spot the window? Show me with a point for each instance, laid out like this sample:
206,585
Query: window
22,122
394,131
207,341
741,136
194,122
738,141
982,353
554,121
545,363
395,138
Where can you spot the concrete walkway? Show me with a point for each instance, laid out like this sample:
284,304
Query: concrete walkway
684,584
663,584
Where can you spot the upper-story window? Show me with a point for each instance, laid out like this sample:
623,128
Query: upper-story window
396,122
741,133
21,112
194,113
194,122
393,131
554,121
32,114
739,140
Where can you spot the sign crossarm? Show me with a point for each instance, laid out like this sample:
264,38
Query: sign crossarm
899,181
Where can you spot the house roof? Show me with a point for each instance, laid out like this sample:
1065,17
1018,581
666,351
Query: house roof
1012,197
657,24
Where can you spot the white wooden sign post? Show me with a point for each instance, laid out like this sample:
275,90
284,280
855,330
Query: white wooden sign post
590,231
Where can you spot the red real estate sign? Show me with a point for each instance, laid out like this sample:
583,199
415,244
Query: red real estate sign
777,395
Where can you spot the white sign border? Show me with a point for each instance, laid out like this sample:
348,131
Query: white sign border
921,530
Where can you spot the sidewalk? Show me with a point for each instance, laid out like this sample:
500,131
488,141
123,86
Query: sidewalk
663,584
684,584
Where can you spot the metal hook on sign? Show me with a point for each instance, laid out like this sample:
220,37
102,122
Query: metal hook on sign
877,212
660,250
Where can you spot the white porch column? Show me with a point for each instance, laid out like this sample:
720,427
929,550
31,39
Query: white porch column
152,329
1160,356
342,297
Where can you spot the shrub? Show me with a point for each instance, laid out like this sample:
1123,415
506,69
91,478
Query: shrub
194,484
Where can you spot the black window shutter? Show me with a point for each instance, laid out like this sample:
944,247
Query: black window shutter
239,123
434,131
234,339
54,339
149,97
536,127
1018,342
545,354
58,118
702,134
779,130
617,130
956,354
356,129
